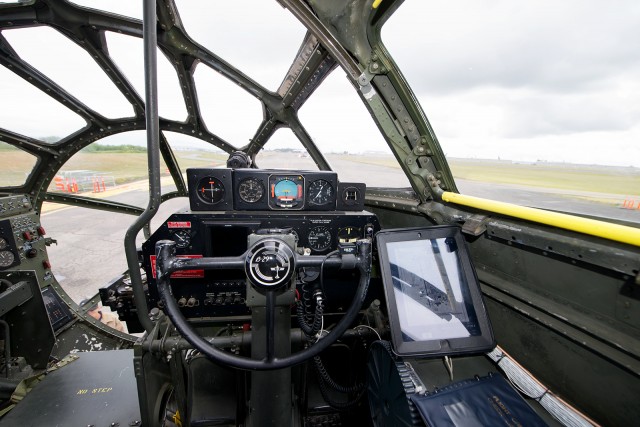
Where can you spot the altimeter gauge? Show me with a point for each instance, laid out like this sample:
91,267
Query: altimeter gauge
251,190
319,238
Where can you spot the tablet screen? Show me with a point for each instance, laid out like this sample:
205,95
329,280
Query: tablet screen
432,294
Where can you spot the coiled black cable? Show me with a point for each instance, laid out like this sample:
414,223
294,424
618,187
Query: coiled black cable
325,382
310,330
324,375
324,391
305,299
324,379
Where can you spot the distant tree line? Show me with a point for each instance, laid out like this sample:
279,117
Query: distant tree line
93,148
125,148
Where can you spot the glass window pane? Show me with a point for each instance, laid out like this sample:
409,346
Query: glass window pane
128,54
54,120
77,230
345,132
16,165
195,153
191,152
259,37
285,151
546,116
46,49
132,9
113,168
228,111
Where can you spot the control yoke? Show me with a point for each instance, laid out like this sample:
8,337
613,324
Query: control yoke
269,265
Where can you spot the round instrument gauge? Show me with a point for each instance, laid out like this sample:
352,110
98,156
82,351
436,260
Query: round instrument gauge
319,238
3,243
251,190
286,191
6,259
182,238
320,192
349,234
210,190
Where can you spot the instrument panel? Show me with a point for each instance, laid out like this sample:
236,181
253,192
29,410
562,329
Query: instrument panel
222,189
202,293
228,205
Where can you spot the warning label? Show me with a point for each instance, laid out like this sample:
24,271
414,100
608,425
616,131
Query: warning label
179,224
184,274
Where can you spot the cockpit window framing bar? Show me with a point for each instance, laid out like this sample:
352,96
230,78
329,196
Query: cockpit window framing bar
280,107
183,53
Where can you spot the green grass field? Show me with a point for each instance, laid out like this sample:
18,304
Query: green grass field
124,167
15,166
588,178
128,167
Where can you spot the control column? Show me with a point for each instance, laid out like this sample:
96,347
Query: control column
270,269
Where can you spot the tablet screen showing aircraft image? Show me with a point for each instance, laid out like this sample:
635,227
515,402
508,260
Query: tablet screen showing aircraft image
427,272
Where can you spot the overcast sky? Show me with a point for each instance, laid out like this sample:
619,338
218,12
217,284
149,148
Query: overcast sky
556,81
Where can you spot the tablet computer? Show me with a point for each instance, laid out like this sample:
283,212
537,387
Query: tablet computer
433,297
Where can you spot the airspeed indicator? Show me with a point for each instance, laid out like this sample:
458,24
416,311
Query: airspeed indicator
251,190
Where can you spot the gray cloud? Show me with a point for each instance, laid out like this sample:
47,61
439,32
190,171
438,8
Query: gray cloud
490,74
568,47
537,116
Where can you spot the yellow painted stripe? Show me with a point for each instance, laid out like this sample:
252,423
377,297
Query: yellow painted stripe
606,230
376,3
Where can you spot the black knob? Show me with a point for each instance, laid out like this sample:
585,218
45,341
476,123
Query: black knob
238,159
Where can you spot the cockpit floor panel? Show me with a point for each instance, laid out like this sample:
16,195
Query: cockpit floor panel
97,389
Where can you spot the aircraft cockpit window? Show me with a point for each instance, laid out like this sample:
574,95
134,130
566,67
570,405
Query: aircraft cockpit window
55,121
192,152
126,52
266,37
533,120
16,165
227,109
112,169
283,149
84,79
352,144
88,252
10,2
131,9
